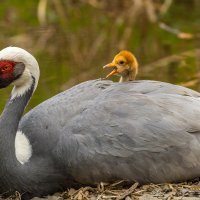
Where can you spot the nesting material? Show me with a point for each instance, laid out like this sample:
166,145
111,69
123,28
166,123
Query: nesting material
123,190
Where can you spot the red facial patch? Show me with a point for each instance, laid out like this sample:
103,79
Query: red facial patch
6,69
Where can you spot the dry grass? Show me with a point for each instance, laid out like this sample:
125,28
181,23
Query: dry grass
123,190
119,191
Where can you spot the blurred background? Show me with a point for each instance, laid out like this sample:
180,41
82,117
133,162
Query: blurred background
73,39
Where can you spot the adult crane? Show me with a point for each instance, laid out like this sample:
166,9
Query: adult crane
145,131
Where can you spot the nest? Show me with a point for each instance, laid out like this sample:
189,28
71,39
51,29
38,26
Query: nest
123,190
119,191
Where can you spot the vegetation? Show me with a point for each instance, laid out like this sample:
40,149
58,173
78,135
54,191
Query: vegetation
73,39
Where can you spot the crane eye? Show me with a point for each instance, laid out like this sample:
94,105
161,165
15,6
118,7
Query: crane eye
5,68
121,62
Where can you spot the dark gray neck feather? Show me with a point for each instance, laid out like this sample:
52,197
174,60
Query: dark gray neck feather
9,121
30,179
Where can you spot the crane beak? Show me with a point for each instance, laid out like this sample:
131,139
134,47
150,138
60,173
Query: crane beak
4,83
111,65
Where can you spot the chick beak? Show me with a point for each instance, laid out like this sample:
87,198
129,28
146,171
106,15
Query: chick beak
111,65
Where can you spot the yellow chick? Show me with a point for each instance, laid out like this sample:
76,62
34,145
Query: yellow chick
124,65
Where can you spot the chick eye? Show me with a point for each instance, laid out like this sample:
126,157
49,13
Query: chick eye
121,62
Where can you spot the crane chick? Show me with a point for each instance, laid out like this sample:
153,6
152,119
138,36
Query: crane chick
124,65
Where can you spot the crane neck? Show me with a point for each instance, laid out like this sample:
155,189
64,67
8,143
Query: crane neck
9,121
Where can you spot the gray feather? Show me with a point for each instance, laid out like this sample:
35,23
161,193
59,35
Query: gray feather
146,131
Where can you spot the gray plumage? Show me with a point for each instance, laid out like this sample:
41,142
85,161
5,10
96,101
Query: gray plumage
145,131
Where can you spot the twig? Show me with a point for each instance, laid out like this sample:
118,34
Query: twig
108,197
41,11
165,6
178,33
80,195
138,192
150,10
101,186
127,192
17,195
117,183
169,59
111,192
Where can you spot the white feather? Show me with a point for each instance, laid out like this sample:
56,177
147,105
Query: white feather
23,148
